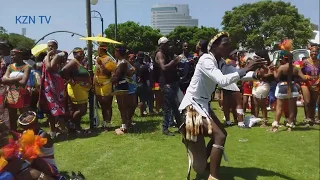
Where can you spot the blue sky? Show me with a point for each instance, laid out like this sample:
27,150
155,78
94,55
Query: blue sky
70,15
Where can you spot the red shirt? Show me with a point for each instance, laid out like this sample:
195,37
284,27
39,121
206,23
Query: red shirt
247,88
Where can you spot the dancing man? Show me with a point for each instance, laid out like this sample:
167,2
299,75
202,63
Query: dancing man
198,119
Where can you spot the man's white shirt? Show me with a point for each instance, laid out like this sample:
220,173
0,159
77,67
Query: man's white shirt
204,81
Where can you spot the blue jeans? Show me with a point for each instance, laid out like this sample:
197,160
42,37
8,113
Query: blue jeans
170,105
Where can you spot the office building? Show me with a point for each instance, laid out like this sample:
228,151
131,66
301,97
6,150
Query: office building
166,17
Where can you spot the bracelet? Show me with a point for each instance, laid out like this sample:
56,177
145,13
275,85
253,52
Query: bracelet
41,176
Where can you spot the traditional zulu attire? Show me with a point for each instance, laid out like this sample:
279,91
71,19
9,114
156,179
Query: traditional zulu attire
196,108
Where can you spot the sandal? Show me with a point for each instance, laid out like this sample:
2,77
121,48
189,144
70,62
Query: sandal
228,123
121,131
290,126
274,127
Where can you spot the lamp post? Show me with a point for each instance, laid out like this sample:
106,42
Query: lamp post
115,20
100,17
89,51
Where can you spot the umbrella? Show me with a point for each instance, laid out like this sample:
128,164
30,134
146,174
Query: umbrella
101,39
39,49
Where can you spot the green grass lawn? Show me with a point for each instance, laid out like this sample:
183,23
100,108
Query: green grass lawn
147,154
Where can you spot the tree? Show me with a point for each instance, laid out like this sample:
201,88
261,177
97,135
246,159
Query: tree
259,24
2,30
134,36
191,35
16,40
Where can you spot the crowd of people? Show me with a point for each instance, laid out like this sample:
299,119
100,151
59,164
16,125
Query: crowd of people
173,80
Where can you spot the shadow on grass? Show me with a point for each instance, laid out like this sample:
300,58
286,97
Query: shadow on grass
304,128
249,173
65,174
72,136
73,175
146,126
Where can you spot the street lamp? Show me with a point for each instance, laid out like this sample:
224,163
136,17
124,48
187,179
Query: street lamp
95,15
94,2
115,20
89,51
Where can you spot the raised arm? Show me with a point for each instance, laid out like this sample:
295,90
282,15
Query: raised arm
160,59
52,61
249,76
208,67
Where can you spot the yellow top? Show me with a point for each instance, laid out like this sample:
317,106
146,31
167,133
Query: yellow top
102,82
105,62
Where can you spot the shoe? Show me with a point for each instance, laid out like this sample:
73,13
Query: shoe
228,123
168,133
173,125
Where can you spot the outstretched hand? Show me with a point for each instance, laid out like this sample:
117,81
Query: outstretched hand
256,63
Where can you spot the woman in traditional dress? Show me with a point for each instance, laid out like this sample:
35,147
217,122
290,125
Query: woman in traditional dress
18,96
281,93
79,84
132,83
105,66
121,88
4,115
52,91
46,161
261,89
232,97
33,83
310,88
247,92
13,166
196,108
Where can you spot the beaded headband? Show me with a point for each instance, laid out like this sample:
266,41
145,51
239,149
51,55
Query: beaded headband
77,49
215,38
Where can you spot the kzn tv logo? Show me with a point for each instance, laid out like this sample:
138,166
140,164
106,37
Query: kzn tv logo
33,19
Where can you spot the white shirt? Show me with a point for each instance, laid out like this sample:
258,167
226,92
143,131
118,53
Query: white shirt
204,81
227,69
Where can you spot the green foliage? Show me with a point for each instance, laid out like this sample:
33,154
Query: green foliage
259,24
134,36
16,40
2,30
191,35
